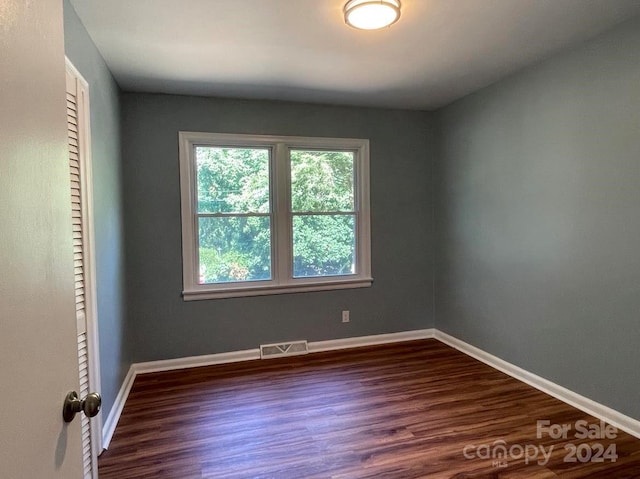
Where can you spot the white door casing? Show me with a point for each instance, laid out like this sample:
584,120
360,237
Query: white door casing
79,137
38,352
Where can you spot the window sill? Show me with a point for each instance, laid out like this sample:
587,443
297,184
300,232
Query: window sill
253,290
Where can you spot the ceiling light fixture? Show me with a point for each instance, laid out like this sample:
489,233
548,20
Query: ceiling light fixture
371,14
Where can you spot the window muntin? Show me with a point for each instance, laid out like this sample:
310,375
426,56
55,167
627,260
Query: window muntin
266,215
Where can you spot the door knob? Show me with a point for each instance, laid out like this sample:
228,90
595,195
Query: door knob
90,405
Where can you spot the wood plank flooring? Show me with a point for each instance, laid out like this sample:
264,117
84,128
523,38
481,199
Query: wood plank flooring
398,411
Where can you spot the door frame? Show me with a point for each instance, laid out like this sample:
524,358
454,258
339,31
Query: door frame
86,181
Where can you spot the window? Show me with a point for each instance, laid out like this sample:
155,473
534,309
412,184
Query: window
266,215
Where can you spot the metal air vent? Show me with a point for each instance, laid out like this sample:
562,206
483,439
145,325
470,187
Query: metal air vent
293,348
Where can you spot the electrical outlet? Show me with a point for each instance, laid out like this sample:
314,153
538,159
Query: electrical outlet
345,316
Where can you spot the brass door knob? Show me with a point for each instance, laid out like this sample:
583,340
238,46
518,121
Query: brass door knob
90,405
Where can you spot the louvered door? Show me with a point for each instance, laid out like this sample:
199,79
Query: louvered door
79,170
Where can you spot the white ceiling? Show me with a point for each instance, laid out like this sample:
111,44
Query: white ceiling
301,50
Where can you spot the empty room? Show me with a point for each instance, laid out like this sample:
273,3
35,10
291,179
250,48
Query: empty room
320,239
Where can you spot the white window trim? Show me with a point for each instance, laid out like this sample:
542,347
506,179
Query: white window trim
282,281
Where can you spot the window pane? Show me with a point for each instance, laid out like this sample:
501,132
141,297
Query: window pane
234,249
323,245
322,180
232,180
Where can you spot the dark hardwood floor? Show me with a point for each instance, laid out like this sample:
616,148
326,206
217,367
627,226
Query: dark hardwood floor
410,410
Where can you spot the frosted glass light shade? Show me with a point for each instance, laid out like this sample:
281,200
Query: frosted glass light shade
371,14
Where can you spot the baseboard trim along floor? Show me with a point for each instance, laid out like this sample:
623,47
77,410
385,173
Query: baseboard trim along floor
600,411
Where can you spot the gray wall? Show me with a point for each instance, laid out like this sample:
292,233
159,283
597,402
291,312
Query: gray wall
538,218
402,228
108,210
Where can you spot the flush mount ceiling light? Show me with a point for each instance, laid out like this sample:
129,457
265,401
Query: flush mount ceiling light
371,14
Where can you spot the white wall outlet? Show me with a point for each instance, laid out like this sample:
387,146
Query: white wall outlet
345,316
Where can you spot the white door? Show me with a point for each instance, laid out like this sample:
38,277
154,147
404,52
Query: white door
79,138
38,352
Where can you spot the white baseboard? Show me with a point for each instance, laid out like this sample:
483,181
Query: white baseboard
600,411
360,341
196,361
611,416
111,422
